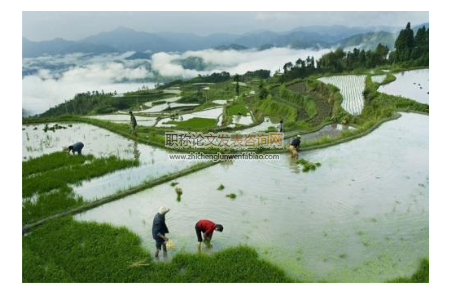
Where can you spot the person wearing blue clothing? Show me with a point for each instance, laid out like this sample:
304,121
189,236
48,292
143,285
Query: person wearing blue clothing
159,229
76,148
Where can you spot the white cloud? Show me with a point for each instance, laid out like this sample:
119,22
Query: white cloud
230,60
48,88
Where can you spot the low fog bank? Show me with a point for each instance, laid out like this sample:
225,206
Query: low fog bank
50,80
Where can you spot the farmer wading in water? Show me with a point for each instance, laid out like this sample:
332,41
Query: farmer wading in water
159,229
207,228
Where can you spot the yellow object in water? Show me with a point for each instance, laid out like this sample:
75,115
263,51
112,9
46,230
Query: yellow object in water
170,244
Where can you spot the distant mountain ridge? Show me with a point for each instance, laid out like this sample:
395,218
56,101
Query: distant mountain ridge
125,39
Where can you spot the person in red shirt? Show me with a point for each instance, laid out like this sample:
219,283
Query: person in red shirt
206,227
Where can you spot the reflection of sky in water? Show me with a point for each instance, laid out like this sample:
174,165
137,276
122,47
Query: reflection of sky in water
154,162
413,84
361,216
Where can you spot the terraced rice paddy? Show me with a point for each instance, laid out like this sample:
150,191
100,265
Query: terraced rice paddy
154,162
166,100
413,84
351,88
212,113
261,127
361,217
242,119
323,107
165,104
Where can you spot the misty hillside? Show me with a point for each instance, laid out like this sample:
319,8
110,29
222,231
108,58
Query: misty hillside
369,41
124,39
60,46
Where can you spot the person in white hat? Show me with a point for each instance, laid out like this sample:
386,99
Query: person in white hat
159,229
294,146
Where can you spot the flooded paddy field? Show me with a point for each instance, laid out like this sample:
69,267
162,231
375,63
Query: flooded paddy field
361,217
351,88
413,84
213,113
260,127
99,142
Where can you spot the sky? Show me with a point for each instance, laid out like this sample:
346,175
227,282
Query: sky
39,26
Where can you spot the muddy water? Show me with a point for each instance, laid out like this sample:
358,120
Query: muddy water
154,162
361,217
412,84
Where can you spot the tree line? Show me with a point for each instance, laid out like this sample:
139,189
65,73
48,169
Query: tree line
410,50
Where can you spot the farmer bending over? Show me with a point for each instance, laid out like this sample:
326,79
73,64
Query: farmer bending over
76,148
207,228
133,122
294,146
159,229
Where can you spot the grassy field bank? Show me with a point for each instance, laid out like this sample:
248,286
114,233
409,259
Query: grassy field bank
46,181
65,250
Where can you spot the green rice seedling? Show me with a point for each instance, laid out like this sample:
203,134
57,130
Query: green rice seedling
71,174
343,255
174,183
221,187
52,161
231,195
307,166
179,192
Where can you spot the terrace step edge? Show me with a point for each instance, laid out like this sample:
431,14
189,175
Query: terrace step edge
121,194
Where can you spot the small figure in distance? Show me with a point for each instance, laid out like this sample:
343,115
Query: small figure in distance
133,122
76,148
294,146
279,126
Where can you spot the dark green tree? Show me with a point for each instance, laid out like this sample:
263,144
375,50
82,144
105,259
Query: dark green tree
236,78
404,44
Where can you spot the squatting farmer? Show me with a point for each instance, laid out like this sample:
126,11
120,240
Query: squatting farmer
294,146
